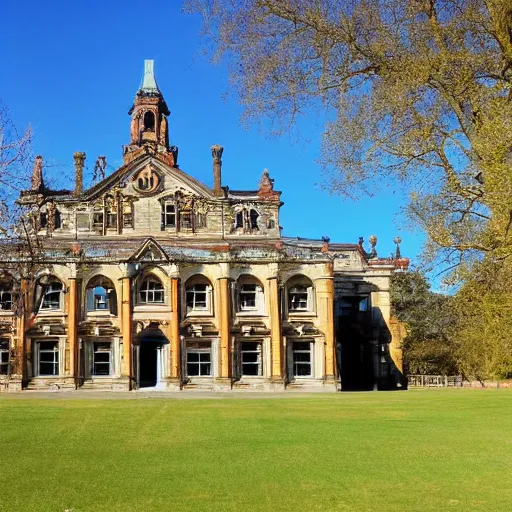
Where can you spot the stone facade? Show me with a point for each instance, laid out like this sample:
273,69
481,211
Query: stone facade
151,280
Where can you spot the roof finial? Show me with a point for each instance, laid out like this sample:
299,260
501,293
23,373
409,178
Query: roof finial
148,80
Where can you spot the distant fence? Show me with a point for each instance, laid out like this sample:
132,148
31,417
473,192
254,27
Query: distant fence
434,381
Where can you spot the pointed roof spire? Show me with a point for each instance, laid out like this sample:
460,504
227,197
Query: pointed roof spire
149,85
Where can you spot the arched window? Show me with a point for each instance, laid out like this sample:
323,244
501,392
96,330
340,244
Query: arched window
300,294
151,291
250,297
198,295
149,121
6,293
253,219
48,294
101,295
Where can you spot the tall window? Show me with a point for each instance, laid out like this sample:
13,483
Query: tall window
300,294
52,296
199,360
250,296
250,358
151,291
197,297
101,295
102,359
48,358
5,297
302,359
168,215
4,357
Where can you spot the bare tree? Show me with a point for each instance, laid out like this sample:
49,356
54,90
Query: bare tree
14,154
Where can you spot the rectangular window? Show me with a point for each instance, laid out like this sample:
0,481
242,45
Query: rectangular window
298,298
250,356
169,215
128,220
247,297
112,220
48,358
200,220
197,298
302,359
186,220
5,299
4,357
97,219
51,296
102,358
199,360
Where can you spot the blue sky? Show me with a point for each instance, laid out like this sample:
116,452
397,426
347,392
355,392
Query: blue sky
71,70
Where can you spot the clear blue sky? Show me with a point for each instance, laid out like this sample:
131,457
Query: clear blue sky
71,70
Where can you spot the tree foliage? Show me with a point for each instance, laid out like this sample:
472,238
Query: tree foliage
483,322
428,347
419,91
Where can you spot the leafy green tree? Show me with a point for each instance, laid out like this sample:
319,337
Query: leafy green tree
483,322
419,94
428,347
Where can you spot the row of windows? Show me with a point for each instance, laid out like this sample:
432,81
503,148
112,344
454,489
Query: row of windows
101,296
198,359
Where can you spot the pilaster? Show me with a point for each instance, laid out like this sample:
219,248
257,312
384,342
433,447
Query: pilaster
276,340
175,329
224,323
126,328
325,306
72,327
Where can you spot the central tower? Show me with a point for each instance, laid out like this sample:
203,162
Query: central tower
149,127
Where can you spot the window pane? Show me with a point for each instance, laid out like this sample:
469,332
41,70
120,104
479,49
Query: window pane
302,370
193,357
250,369
48,369
301,345
193,369
250,357
205,369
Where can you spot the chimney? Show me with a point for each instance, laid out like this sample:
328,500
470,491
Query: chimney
37,175
217,164
79,172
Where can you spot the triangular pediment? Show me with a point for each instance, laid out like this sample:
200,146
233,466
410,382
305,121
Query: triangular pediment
149,251
149,176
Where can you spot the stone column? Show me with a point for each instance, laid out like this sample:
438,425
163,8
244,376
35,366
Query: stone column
175,329
20,341
126,329
72,327
276,339
325,308
224,324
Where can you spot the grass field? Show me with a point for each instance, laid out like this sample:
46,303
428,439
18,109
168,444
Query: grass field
403,451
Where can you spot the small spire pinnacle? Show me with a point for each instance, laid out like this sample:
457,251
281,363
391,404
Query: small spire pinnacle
148,80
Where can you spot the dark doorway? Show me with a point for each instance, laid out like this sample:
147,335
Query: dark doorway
355,350
148,362
356,361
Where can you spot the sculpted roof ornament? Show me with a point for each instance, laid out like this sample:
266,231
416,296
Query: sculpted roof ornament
148,79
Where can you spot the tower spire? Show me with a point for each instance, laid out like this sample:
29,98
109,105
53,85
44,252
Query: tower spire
149,85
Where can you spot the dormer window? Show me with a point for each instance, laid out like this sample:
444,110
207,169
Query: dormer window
151,291
169,215
247,220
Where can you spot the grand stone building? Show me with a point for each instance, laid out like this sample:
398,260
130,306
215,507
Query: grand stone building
151,280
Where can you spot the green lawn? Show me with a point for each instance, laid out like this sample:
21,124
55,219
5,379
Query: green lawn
408,451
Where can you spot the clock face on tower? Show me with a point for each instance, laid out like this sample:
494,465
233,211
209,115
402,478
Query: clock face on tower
146,181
